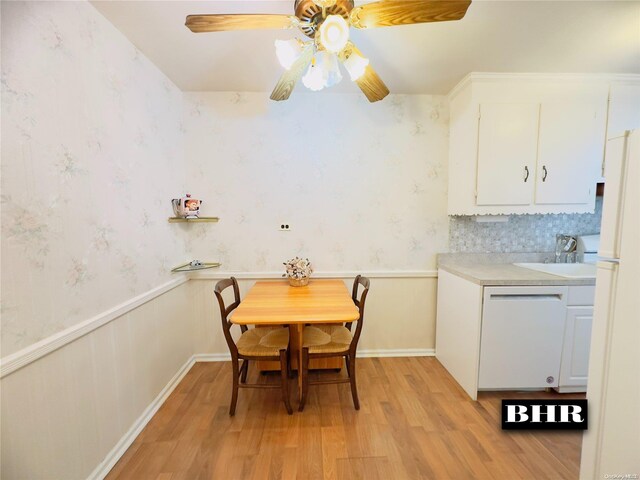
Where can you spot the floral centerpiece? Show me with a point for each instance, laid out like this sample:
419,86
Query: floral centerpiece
298,271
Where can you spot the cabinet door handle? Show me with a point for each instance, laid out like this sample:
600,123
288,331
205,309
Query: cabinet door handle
526,174
544,173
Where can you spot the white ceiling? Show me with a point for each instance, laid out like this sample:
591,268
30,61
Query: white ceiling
494,36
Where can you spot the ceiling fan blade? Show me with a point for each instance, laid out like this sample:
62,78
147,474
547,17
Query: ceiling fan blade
389,13
222,23
370,83
288,80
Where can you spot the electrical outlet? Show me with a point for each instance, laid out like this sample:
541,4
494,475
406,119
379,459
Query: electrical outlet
285,227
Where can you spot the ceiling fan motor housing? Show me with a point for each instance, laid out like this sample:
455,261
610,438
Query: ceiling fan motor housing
310,14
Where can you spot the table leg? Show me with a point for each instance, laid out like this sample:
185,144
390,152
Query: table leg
300,328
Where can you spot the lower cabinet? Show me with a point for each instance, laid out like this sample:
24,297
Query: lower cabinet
574,366
514,337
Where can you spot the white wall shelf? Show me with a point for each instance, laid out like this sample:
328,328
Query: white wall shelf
186,267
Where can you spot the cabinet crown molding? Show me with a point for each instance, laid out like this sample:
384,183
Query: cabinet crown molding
602,78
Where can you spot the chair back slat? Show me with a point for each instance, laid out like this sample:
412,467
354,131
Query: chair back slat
359,302
231,308
225,310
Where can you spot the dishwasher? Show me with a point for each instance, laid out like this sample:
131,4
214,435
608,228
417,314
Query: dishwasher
521,337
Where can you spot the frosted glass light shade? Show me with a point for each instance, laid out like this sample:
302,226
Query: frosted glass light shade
328,62
313,78
356,65
288,51
324,72
334,33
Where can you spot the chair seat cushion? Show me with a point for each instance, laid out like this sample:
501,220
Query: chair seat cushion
326,338
263,342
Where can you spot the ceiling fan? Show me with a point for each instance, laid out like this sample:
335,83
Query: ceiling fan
326,23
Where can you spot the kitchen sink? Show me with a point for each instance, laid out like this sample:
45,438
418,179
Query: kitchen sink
567,270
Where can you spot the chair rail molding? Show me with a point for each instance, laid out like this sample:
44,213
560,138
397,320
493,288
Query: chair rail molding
21,358
345,274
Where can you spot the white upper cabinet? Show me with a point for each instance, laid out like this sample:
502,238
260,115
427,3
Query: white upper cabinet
507,145
570,151
526,143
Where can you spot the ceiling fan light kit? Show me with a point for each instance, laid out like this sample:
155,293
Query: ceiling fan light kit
323,72
355,64
288,51
334,33
313,79
327,24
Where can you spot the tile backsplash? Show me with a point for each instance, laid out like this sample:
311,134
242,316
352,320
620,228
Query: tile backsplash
522,233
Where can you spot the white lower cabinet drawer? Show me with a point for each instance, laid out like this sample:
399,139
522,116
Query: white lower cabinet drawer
581,295
522,337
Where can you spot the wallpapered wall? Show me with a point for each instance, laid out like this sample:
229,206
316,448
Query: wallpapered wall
363,186
96,140
91,152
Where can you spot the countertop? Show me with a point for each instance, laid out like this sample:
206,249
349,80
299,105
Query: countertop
483,272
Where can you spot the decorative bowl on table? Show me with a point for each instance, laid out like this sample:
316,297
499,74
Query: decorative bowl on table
298,271
299,282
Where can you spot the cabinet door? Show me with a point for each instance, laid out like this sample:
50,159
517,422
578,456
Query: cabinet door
574,367
570,152
507,149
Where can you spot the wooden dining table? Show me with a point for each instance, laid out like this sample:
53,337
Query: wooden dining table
278,303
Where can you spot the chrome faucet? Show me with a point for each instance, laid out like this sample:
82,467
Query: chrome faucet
566,246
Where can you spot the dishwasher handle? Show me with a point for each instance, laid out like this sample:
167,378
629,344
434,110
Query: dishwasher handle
526,296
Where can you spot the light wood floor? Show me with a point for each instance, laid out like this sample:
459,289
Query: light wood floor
414,422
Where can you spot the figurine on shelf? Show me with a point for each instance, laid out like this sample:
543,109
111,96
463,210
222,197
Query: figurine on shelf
186,207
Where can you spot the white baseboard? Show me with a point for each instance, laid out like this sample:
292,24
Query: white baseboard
128,438
402,352
212,357
582,389
125,442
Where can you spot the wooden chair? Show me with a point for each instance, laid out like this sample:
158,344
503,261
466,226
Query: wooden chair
269,343
333,340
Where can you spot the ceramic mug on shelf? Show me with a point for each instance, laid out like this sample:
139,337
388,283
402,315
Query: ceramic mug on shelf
186,207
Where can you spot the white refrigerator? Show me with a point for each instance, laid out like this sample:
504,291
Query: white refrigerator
611,445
